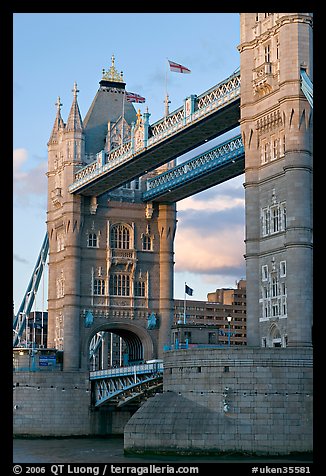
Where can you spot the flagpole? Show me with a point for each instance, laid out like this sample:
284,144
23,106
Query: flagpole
166,78
184,306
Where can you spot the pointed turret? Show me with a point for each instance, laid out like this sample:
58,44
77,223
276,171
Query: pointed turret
58,123
74,122
109,105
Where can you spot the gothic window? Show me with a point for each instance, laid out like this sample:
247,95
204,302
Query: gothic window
266,221
265,153
140,289
274,286
92,240
282,269
120,285
283,306
275,310
274,219
120,237
147,243
274,148
264,272
267,53
283,216
99,287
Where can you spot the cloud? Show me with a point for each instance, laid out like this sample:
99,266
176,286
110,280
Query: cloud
29,179
220,253
210,233
19,259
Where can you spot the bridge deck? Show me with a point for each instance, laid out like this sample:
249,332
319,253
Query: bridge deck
214,166
217,111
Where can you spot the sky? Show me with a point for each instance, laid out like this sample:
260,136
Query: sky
53,50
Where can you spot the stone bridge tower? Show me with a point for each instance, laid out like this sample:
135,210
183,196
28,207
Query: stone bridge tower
111,256
276,124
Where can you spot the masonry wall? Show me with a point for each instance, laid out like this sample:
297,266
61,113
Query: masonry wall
59,404
244,399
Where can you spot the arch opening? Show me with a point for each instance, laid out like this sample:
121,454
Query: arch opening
118,345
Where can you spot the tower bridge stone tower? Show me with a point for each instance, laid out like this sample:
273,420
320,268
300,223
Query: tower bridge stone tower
276,125
110,257
111,265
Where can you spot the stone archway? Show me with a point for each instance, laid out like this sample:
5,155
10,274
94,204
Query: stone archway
139,343
275,337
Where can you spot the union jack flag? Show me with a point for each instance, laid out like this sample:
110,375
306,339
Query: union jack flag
133,97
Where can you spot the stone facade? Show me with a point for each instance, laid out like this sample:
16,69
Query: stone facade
57,404
276,127
245,400
110,257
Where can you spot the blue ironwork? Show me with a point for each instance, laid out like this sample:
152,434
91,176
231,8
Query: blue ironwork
307,86
19,322
124,384
227,152
200,108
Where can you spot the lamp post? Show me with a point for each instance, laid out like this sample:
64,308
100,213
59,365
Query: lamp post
229,318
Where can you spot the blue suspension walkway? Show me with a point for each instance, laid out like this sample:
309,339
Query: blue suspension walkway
221,163
125,385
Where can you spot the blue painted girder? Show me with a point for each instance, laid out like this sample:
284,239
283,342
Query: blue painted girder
221,163
19,321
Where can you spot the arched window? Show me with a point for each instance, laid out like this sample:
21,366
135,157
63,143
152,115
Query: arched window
120,237
140,289
92,240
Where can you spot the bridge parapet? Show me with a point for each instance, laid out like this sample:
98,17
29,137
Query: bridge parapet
227,152
195,107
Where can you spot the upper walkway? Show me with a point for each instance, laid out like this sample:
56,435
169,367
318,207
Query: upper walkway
200,119
214,166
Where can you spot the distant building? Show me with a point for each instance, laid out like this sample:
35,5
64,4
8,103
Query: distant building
205,322
37,328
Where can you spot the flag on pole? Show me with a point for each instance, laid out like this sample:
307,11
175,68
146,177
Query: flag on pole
188,290
133,97
178,68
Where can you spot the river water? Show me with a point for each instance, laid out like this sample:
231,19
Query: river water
110,450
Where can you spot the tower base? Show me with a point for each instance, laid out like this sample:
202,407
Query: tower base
252,400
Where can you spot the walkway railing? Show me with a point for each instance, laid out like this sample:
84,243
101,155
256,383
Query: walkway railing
126,384
129,370
221,154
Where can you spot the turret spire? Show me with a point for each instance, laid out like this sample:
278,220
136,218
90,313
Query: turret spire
58,122
74,121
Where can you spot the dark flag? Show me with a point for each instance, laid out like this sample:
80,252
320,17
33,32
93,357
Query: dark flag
188,290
